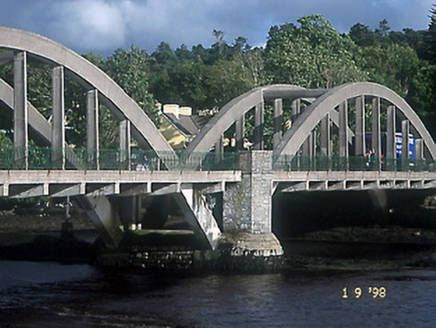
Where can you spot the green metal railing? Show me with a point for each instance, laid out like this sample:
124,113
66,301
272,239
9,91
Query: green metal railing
46,158
352,163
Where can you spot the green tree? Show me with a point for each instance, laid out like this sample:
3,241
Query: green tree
312,55
391,65
422,95
430,38
129,69
362,35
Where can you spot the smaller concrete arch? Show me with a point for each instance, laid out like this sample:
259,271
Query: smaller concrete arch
237,107
294,138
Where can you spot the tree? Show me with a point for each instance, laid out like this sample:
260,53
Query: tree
129,69
391,65
362,35
431,37
312,55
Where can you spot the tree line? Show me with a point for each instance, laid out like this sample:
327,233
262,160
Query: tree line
310,53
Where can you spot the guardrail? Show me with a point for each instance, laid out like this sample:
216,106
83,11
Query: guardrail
352,163
46,158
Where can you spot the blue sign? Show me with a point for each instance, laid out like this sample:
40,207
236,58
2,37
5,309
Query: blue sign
399,145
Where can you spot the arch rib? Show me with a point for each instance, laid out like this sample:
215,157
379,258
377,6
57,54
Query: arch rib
231,112
112,95
306,122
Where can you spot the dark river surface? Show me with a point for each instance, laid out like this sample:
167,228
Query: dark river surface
48,294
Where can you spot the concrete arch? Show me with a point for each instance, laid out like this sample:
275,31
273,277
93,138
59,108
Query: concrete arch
293,139
222,121
91,77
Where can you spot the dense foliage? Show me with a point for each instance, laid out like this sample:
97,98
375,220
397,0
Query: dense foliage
310,53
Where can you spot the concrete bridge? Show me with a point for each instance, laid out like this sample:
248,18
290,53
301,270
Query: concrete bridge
319,138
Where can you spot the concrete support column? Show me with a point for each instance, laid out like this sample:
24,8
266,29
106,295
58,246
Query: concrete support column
324,137
125,137
92,130
199,217
219,146
258,127
58,119
405,131
21,134
360,148
309,145
390,133
240,132
295,109
343,129
419,149
277,122
104,217
376,144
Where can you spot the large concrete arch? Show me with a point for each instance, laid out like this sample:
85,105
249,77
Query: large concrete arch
91,77
293,139
222,121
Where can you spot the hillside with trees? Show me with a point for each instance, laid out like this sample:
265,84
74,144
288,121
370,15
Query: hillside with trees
310,53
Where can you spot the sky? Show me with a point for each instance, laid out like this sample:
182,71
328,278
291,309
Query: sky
102,26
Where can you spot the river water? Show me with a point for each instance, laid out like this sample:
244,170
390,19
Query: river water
46,294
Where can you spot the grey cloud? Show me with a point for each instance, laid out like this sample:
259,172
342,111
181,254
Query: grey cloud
103,25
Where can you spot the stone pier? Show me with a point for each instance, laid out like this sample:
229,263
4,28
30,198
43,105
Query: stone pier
247,215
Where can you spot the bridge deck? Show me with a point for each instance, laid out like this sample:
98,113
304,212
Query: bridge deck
61,183
289,181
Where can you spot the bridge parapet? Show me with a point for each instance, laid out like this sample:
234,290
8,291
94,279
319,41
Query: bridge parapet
40,158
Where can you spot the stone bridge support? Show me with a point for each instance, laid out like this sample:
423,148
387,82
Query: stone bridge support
247,209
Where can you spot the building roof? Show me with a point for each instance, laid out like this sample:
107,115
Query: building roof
189,125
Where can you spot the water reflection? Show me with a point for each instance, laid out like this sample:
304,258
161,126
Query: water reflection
50,294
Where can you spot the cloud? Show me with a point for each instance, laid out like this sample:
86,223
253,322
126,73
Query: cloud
101,26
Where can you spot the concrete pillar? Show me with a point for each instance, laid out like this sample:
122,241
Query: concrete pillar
295,109
219,146
309,145
376,144
199,217
405,131
360,148
240,132
419,149
125,137
58,119
21,134
258,127
105,218
390,133
277,122
92,131
343,129
324,137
